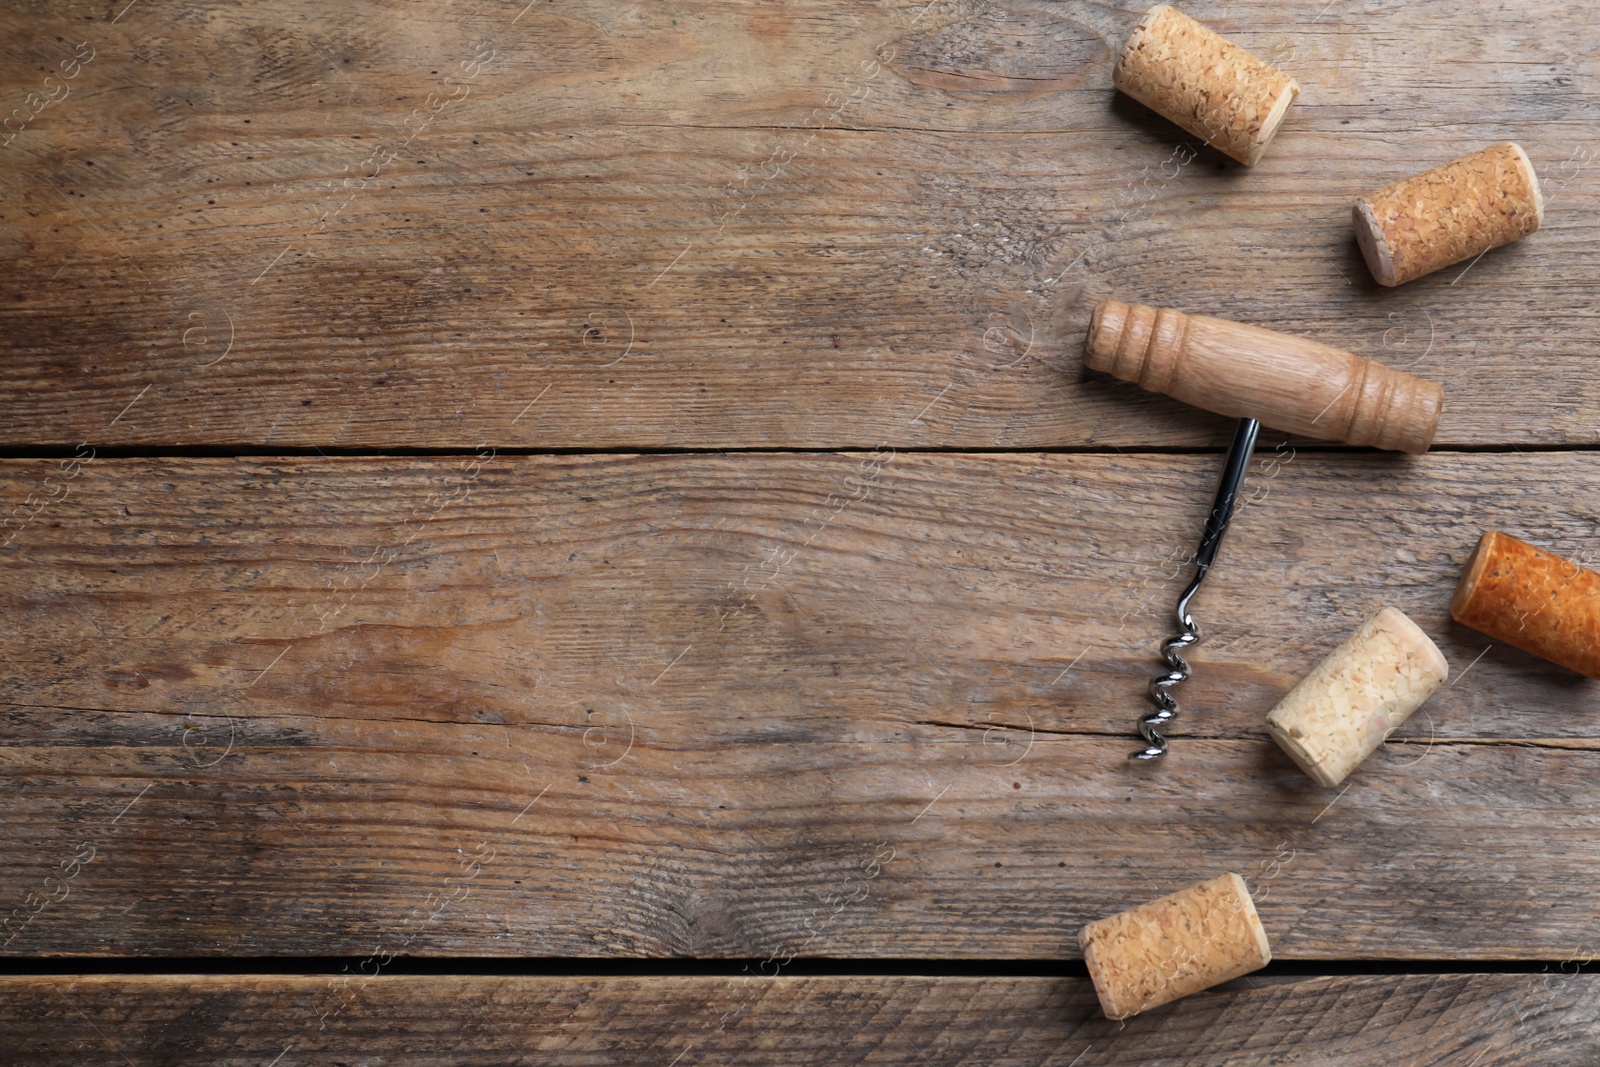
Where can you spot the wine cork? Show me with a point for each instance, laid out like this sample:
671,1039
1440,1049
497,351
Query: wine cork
1449,214
1185,942
1357,696
1286,382
1533,600
1205,83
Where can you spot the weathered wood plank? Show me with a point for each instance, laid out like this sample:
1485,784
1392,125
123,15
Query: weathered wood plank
696,705
899,588
825,225
434,839
1486,1020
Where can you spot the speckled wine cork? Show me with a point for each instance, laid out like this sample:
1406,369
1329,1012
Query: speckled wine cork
1533,600
1449,214
1205,83
1357,696
1158,952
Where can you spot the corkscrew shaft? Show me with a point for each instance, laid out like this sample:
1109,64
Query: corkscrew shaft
1222,508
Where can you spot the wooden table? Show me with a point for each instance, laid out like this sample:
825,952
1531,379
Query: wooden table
517,509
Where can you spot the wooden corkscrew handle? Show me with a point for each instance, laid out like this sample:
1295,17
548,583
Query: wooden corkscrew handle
1288,383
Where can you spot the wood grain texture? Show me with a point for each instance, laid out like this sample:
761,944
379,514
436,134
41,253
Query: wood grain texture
846,704
1287,382
1486,1020
733,224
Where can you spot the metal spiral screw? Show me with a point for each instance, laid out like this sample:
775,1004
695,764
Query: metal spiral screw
1151,725
1233,472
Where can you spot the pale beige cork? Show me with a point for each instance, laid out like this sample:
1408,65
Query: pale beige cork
1449,214
1356,697
1205,83
1190,940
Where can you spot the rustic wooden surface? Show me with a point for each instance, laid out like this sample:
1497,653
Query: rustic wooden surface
727,683
730,225
845,664
1483,1020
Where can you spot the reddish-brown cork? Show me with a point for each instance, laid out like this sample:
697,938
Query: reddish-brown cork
1533,600
1205,83
1449,214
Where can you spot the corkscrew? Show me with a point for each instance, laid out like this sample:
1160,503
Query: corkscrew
1260,377
1189,635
